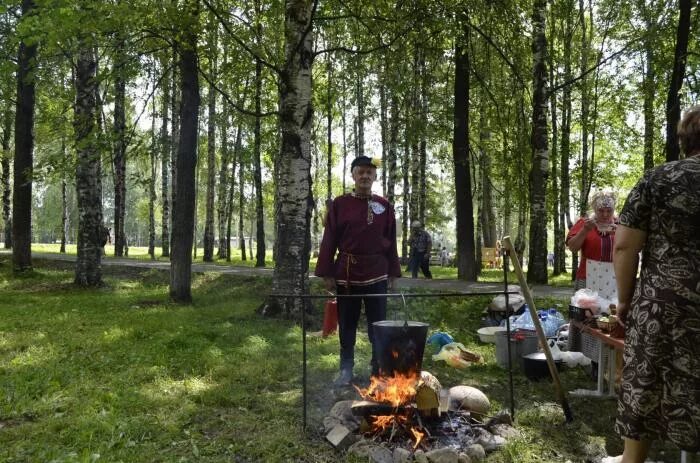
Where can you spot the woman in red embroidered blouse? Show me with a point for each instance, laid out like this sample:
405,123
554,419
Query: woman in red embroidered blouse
594,236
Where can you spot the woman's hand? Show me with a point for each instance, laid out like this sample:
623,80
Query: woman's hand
622,311
589,224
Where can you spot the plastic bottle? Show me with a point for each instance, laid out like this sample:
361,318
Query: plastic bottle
556,316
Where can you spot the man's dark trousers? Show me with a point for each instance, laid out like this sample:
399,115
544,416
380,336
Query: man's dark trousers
349,315
420,259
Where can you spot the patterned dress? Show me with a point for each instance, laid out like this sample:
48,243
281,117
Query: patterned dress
660,395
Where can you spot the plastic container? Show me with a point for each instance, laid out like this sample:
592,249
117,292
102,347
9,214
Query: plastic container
522,342
487,334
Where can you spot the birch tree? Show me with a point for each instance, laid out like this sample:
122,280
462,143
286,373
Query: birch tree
537,264
88,175
211,145
291,274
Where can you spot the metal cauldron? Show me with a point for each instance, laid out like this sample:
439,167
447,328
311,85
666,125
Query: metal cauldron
399,346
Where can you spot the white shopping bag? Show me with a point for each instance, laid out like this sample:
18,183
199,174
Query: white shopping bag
600,277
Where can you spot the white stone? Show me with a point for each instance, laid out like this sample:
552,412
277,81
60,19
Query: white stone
419,457
476,452
443,455
469,398
505,431
401,455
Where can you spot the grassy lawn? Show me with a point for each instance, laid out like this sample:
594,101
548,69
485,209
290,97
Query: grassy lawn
120,374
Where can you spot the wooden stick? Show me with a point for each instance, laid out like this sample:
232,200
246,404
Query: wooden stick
538,328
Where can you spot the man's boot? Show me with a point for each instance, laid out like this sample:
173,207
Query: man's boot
344,378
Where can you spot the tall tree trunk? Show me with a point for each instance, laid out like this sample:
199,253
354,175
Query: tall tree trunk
413,138
466,259
241,202
211,145
291,274
165,150
673,100
423,146
565,221
360,99
585,105
88,176
152,197
5,179
175,140
211,177
225,183
119,148
487,214
24,151
559,258
64,201
383,125
392,151
648,82
406,188
345,139
537,263
257,172
329,128
183,212
236,161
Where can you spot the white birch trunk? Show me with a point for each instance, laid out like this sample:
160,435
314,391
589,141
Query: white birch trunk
295,198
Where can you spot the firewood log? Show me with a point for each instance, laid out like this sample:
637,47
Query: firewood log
367,407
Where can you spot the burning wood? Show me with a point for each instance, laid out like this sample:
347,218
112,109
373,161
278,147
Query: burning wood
369,407
389,403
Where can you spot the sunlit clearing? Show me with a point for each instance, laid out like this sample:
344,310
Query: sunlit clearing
34,355
255,345
115,334
174,388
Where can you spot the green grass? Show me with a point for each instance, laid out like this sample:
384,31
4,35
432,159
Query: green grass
120,374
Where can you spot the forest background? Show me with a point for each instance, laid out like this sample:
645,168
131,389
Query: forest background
229,124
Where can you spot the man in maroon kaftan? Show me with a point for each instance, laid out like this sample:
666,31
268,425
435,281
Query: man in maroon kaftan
358,256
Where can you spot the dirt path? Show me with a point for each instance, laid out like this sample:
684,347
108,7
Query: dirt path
444,285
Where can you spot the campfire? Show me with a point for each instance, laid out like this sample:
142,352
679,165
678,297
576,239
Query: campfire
388,406
405,411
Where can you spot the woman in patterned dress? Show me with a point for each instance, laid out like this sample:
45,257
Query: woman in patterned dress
660,393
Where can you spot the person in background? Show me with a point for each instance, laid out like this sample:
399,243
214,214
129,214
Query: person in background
660,392
421,245
594,236
105,237
444,257
361,228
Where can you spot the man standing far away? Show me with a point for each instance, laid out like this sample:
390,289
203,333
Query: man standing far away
421,246
361,228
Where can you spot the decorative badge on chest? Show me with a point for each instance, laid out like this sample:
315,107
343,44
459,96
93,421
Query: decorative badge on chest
373,207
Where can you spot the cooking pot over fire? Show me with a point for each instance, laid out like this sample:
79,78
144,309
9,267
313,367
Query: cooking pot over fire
399,346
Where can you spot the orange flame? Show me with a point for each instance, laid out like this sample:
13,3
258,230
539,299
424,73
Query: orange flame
396,390
418,436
